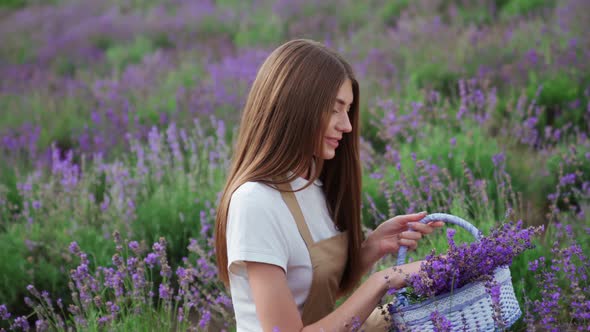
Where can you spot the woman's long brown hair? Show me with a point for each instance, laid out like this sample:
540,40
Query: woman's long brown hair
282,127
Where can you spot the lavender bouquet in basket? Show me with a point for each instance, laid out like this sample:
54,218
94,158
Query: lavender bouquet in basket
468,287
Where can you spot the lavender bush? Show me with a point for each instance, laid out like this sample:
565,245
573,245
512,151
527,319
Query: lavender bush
125,295
87,202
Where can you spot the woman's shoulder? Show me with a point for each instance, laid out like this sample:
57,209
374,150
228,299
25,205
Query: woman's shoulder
257,202
256,192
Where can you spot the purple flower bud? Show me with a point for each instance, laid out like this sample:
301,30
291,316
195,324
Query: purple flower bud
440,322
74,248
133,245
151,259
21,323
36,205
205,319
41,325
4,314
164,291
180,314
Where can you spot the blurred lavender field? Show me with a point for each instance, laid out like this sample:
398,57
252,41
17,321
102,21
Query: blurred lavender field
117,117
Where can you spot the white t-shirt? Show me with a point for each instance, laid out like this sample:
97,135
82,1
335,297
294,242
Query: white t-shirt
260,228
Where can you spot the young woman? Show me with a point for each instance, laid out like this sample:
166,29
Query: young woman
288,231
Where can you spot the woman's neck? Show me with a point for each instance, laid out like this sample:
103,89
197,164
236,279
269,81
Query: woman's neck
309,171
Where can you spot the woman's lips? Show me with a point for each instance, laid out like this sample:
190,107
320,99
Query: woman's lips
333,142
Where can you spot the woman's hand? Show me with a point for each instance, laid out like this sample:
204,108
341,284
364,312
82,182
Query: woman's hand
396,277
393,233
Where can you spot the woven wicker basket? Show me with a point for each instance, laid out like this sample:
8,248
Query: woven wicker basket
468,308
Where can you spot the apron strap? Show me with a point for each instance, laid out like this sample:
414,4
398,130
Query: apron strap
291,201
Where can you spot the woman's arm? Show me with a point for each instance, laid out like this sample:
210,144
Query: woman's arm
276,308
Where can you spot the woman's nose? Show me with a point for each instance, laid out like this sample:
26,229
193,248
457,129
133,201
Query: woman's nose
344,124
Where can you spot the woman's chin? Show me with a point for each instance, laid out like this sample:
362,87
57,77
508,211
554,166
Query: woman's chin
328,154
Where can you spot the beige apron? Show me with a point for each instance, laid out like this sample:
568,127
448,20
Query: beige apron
328,261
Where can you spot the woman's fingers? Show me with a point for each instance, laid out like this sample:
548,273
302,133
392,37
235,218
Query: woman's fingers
425,228
411,244
407,238
414,231
403,219
411,235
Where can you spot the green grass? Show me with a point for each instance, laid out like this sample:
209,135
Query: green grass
13,4
516,8
120,56
262,30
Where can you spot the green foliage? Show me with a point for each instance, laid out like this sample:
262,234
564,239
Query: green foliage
170,212
13,4
162,41
164,98
356,14
17,49
522,7
391,11
550,246
437,76
526,174
262,30
65,66
44,110
36,254
479,15
372,189
14,203
13,264
578,164
556,94
103,42
120,56
472,149
211,26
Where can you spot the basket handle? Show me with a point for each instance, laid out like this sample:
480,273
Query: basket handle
447,218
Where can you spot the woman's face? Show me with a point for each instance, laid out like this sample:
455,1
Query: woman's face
339,123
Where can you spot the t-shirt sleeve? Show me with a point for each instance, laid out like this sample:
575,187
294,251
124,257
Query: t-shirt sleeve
254,233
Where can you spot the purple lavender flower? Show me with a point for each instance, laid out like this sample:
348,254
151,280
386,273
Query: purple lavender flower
104,320
36,205
466,263
493,289
164,291
567,179
21,323
118,261
41,325
113,307
498,159
440,322
180,315
133,245
151,259
204,321
4,314
74,248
